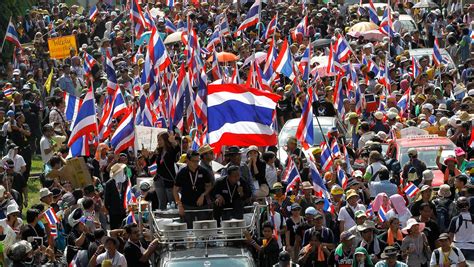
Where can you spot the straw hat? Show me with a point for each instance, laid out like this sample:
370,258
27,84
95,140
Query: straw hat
412,222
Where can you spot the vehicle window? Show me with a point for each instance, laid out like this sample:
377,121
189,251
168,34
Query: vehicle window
291,131
212,262
427,155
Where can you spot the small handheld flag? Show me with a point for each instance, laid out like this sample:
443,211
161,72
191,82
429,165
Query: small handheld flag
411,190
382,215
51,217
152,169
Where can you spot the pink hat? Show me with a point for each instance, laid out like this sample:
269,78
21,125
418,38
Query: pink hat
459,152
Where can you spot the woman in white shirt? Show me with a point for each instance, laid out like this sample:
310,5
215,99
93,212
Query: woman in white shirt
271,172
10,227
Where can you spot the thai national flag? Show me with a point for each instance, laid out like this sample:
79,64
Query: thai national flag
86,122
93,13
8,90
359,98
170,3
284,62
129,196
318,185
156,48
304,65
331,67
411,190
215,69
72,106
149,21
415,67
111,76
342,177
373,13
238,115
382,214
326,157
152,169
371,65
342,49
386,26
404,102
214,40
369,212
12,36
271,28
291,175
305,130
53,230
51,217
253,17
89,62
328,206
268,74
300,29
339,97
124,135
131,218
437,57
169,26
335,149
200,103
80,147
224,26
136,15
145,114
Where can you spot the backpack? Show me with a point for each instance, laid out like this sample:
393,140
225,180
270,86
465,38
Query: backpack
461,220
438,255
443,213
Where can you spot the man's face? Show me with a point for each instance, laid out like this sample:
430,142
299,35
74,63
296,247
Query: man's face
135,234
267,232
193,162
353,200
234,177
426,212
235,159
367,234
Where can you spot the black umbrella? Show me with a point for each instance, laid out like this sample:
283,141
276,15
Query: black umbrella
321,43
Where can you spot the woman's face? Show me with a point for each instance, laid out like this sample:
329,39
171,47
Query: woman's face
161,142
415,229
360,257
267,233
395,224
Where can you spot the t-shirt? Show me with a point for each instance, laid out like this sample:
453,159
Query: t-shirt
18,162
186,178
346,217
45,144
463,237
118,260
133,252
451,258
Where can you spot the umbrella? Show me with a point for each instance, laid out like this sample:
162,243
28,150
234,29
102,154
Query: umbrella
363,27
372,35
425,4
321,43
322,64
173,38
225,57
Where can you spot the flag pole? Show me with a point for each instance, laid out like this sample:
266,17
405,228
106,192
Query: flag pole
5,37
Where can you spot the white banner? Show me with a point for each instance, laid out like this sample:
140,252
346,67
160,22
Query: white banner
147,137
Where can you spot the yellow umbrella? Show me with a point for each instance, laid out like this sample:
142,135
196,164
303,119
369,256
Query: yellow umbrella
363,27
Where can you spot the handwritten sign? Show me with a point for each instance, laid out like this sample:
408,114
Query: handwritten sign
60,47
147,137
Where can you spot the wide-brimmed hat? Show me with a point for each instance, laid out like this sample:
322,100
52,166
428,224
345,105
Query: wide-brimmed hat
443,236
204,149
366,226
277,185
13,208
346,235
252,148
306,185
389,252
44,192
232,150
412,222
351,193
116,168
444,191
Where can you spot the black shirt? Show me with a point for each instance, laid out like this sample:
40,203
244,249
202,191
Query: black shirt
192,184
225,189
133,253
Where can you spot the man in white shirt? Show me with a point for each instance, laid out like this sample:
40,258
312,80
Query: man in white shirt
461,229
346,216
46,145
447,255
18,161
111,254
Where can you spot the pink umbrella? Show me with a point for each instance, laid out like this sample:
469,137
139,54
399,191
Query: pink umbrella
372,35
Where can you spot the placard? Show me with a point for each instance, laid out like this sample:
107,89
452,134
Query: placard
75,171
60,47
147,137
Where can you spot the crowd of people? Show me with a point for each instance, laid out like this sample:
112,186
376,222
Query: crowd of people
354,212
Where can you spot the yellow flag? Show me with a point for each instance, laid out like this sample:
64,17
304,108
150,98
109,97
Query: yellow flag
47,84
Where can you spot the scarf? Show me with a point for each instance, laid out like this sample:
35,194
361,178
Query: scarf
390,239
364,244
320,253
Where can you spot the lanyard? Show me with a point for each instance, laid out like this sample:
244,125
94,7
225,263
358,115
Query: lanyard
233,191
193,182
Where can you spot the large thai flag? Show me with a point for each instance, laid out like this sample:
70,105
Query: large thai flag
284,62
291,175
72,106
136,15
111,76
318,185
156,48
304,65
326,157
253,17
169,26
415,68
404,102
93,13
85,122
271,28
240,116
386,26
373,17
11,35
124,135
300,29
339,97
437,57
305,130
341,177
89,62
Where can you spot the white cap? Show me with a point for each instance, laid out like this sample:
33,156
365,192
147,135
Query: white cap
12,208
428,175
378,115
428,106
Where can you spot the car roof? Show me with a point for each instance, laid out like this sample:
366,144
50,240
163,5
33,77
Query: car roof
422,142
211,252
323,120
424,51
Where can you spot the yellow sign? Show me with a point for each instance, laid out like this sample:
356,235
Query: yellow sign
60,47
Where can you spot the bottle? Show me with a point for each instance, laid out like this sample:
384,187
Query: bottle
168,206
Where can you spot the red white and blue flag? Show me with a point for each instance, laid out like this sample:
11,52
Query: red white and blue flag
437,57
93,13
271,28
284,62
415,68
386,26
72,106
382,214
300,30
411,190
170,3
373,17
51,217
129,196
341,177
53,230
152,169
404,102
305,130
318,184
124,135
131,218
336,152
326,157
169,26
291,175
138,19
156,48
89,62
8,90
342,49
304,66
253,17
11,35
85,122
242,116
